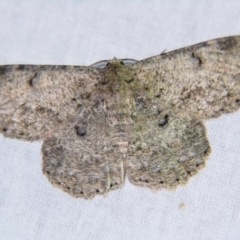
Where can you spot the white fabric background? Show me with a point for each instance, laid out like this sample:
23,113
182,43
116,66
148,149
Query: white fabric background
84,32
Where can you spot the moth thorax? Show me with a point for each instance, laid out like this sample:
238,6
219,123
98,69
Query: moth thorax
117,71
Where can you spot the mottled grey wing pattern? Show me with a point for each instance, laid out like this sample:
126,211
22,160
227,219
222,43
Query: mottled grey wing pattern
166,147
168,142
64,106
203,79
35,100
142,119
83,158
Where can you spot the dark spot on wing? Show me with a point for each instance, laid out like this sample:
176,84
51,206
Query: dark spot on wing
31,81
227,43
81,130
206,151
112,184
163,121
64,67
204,44
22,67
3,70
198,58
98,102
40,110
104,81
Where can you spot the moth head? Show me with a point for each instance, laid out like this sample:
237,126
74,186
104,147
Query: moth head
114,62
116,69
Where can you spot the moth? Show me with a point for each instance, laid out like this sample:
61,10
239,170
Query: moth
143,119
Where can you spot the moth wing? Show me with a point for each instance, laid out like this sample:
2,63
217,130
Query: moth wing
166,147
84,159
36,99
203,79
